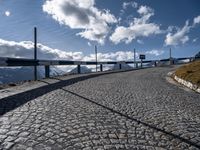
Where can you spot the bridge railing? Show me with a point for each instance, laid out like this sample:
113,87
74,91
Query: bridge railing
16,62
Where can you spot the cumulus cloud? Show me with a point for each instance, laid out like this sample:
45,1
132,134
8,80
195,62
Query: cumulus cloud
89,44
194,40
196,20
112,56
140,41
79,14
176,35
132,4
7,13
155,52
145,10
179,37
24,49
139,27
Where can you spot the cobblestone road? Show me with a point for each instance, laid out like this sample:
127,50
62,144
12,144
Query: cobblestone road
129,110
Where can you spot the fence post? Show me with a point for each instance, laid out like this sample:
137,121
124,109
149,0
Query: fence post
78,69
47,71
101,67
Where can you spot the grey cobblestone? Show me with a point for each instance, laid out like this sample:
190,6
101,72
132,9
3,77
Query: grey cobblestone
73,118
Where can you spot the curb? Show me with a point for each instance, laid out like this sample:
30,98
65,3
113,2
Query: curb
186,83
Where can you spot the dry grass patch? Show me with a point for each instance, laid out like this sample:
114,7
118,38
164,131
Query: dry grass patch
190,72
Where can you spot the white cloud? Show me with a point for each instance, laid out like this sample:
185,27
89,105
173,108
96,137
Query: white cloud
7,13
112,56
155,52
179,37
79,14
140,41
89,44
139,27
196,20
172,29
132,4
24,49
194,40
145,10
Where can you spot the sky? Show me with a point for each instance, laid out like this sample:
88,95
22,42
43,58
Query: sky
69,29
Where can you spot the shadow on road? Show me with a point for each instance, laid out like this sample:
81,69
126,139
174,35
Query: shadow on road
11,102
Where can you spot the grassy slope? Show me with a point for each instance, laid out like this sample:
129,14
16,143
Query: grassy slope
190,72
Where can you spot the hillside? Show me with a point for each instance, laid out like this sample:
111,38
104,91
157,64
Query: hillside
18,74
197,56
190,72
84,69
124,66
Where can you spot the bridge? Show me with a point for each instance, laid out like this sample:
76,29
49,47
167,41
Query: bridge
133,109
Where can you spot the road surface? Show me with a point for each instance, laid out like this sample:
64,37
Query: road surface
127,110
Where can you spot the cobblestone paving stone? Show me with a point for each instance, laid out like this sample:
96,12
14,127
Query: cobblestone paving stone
80,116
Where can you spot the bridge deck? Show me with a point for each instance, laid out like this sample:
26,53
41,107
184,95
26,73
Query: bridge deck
130,110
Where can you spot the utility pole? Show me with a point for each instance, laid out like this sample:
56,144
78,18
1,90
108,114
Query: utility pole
35,52
96,56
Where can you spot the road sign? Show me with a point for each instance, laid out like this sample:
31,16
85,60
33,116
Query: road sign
142,56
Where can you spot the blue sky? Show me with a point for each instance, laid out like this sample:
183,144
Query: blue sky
116,26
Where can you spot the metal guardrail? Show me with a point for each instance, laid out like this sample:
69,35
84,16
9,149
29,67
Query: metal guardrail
16,62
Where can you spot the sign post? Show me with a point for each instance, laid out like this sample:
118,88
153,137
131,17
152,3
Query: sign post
142,57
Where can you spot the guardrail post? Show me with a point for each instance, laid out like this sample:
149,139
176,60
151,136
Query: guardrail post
78,69
136,65
101,67
171,61
35,52
120,66
47,71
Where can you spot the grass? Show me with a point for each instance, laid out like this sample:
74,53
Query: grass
190,72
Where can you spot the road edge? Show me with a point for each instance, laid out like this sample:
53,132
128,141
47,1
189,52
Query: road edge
183,82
